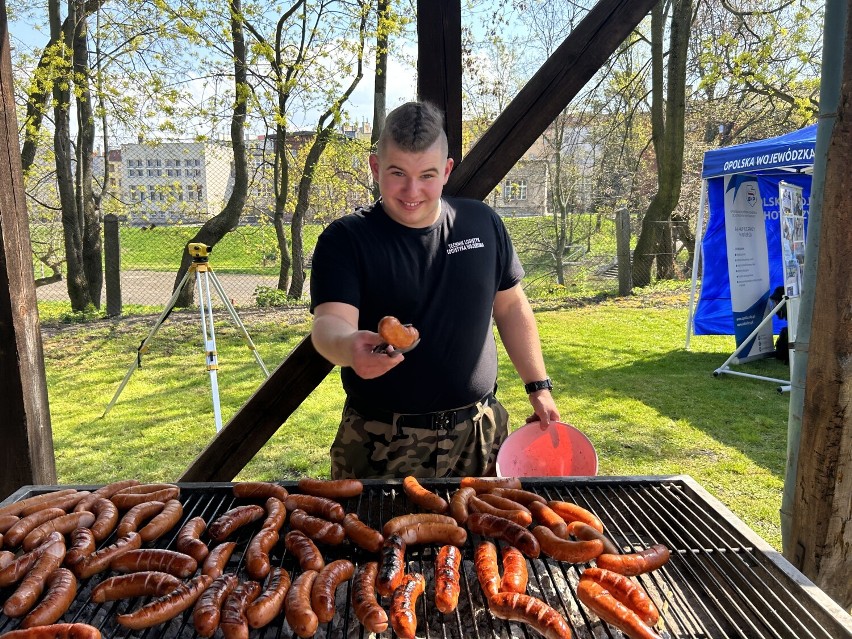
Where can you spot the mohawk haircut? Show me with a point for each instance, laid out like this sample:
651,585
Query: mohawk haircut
413,127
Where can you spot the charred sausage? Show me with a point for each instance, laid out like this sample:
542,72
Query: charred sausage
367,609
208,609
158,559
148,583
391,566
61,590
29,590
514,606
139,513
83,544
510,532
127,498
276,513
584,532
100,559
573,552
233,622
106,516
403,616
520,517
166,607
16,534
17,507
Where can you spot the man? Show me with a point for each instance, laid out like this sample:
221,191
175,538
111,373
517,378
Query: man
446,266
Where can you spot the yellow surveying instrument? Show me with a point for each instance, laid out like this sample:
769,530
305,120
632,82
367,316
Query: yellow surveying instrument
204,276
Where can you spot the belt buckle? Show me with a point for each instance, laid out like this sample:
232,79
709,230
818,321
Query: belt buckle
443,420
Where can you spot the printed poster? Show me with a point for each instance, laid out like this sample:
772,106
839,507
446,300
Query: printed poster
748,265
792,237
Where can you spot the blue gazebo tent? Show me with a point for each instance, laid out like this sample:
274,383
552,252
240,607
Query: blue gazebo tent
787,157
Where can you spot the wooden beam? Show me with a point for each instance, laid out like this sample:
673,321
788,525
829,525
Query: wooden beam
546,94
439,64
26,456
256,422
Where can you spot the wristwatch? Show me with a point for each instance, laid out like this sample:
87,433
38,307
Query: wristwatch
544,384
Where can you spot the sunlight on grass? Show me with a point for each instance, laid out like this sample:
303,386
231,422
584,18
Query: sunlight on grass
621,374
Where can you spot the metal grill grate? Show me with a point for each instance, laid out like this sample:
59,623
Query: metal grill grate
722,580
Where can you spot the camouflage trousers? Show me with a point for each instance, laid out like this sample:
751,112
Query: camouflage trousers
367,449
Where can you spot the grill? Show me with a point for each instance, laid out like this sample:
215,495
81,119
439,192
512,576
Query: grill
722,581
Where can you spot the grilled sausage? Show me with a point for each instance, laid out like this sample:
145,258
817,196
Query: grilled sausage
29,590
189,539
61,590
17,507
109,490
6,558
546,516
163,522
403,521
18,567
257,553
259,490
317,506
403,616
459,508
56,631
100,560
503,503
233,623
433,533
228,522
63,525
391,566
134,517
515,575
7,521
16,534
159,559
166,607
361,534
321,530
397,334
423,498
520,517
572,512
276,513
626,591
573,552
331,488
208,609
214,564
637,563
367,609
487,570
600,601
524,497
148,583
485,484
83,544
297,605
325,586
127,498
106,515
510,532
514,606
63,502
305,551
447,587
584,532
269,604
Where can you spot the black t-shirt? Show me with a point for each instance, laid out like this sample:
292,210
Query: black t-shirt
442,279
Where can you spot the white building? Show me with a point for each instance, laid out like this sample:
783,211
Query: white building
168,182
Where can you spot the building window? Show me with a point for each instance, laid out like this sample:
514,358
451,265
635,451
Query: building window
515,190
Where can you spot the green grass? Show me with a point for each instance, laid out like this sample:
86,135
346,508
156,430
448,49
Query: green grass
622,376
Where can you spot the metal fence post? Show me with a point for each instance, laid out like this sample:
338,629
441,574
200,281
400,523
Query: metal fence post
112,265
622,240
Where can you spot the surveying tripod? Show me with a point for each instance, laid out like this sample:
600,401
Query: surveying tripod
204,276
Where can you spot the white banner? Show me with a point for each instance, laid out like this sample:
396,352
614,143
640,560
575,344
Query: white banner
748,264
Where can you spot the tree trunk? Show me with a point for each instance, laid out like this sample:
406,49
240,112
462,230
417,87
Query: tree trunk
381,82
72,224
822,515
667,124
219,225
87,210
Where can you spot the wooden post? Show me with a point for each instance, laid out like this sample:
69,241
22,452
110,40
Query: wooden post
26,456
112,265
822,514
622,242
439,64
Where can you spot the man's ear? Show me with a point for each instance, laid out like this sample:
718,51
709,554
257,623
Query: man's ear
374,165
448,169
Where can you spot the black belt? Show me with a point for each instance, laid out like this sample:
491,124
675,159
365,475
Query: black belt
442,420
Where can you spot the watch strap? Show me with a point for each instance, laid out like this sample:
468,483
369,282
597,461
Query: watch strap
544,384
